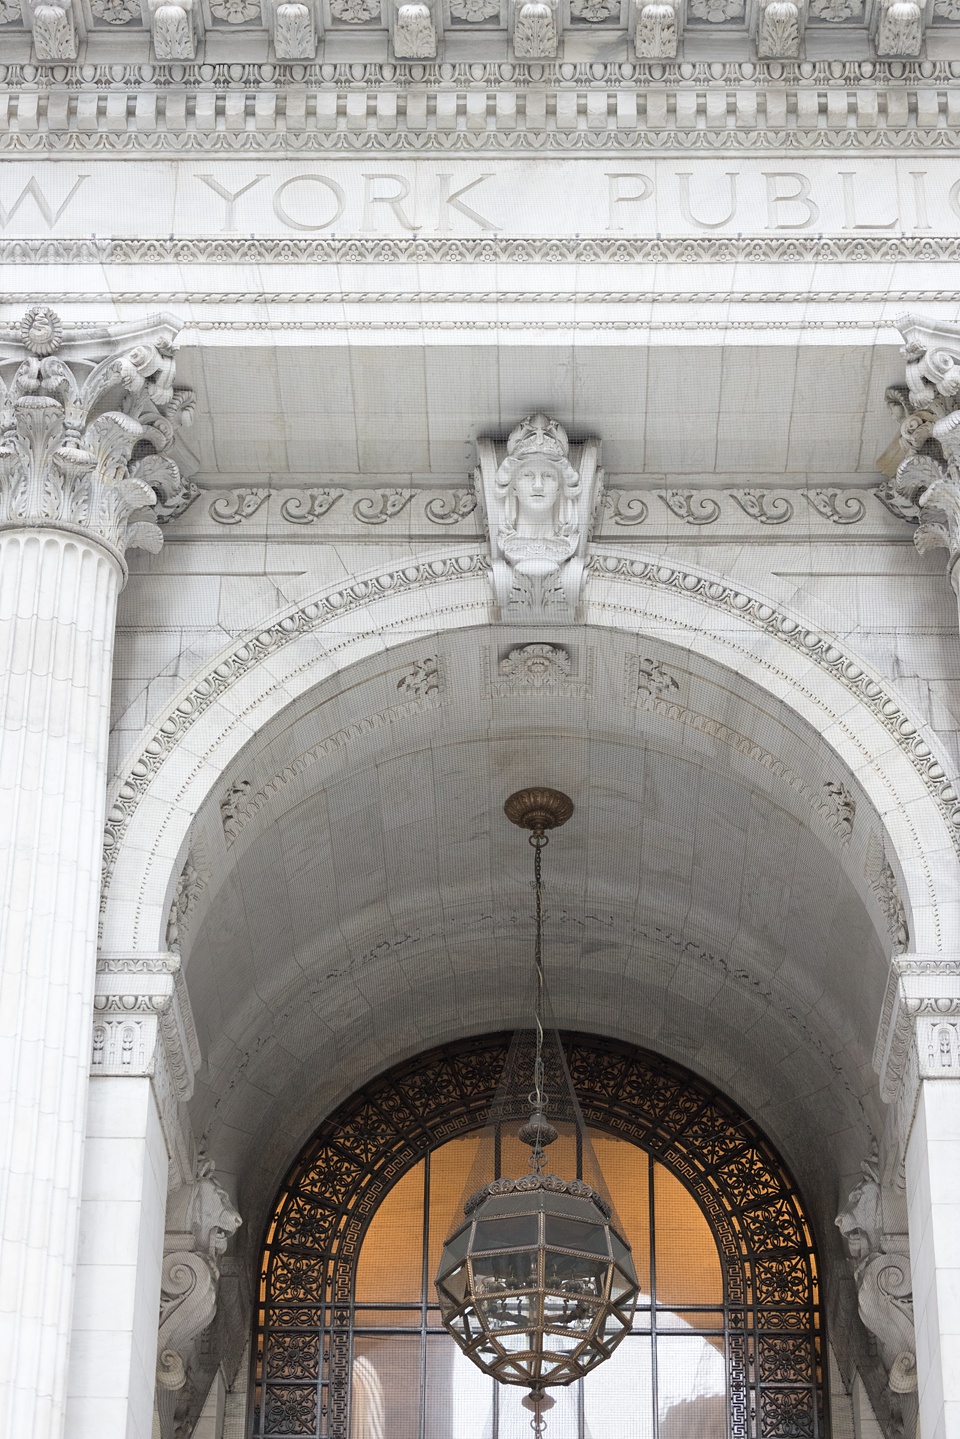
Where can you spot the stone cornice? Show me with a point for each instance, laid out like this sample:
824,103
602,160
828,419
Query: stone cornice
919,1033
143,1029
471,108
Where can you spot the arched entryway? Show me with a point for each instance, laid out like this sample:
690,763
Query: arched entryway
728,1337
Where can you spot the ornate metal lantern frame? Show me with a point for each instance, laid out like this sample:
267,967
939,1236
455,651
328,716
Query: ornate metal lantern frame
537,1286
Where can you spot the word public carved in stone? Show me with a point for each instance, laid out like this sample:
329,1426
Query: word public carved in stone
200,1222
539,510
65,456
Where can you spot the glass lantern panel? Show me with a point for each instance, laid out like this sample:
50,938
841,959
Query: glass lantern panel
569,1311
509,1311
620,1285
513,1231
493,1273
454,1251
519,1342
455,1284
576,1234
573,1275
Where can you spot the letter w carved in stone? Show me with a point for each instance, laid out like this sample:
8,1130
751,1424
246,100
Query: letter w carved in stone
40,200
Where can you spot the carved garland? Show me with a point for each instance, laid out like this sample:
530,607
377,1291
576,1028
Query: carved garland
770,1275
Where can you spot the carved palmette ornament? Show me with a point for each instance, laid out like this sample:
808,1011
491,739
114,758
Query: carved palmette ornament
539,508
656,30
535,34
779,29
294,28
173,29
200,1221
54,31
899,29
414,33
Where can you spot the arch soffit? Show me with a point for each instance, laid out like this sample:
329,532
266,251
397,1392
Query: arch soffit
856,712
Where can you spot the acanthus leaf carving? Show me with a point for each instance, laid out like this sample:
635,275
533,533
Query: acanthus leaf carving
422,680
54,29
779,29
695,507
625,509
879,874
451,509
294,27
843,807
174,29
899,29
65,456
414,32
922,465
384,506
763,507
656,30
304,507
539,510
234,506
650,677
535,34
841,507
538,669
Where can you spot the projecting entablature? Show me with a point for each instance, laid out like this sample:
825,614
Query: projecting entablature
641,33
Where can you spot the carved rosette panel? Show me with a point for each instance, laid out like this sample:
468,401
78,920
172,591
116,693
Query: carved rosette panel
302,1374
86,427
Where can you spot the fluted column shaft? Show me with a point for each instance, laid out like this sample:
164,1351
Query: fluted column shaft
58,599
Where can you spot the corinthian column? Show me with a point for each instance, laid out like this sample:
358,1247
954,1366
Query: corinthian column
86,418
922,465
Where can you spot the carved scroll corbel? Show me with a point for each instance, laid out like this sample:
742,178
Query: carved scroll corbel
536,34
414,30
899,29
54,29
200,1221
295,28
173,26
656,26
778,26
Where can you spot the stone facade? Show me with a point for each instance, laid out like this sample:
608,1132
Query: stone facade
573,389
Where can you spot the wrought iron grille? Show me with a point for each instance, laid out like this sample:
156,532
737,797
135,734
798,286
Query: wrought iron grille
306,1319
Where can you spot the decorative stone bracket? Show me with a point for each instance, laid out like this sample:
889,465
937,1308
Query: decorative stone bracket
143,1028
922,465
200,1222
539,507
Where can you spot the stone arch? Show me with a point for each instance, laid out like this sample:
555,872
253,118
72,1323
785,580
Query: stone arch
855,711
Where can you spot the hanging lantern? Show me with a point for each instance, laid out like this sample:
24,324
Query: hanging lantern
537,1285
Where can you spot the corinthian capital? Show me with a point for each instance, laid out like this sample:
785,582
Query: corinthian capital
922,466
87,419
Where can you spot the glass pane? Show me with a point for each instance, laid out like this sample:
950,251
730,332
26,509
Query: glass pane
459,1399
562,1419
618,1395
574,1276
505,1233
385,1393
376,1318
691,1319
390,1267
505,1272
691,1389
450,1167
571,1234
624,1167
688,1263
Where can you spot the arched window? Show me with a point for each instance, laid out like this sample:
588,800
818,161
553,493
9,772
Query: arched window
726,1343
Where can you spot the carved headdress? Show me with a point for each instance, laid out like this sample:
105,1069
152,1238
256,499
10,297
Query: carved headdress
540,436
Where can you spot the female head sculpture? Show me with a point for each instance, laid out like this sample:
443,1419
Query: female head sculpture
536,484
